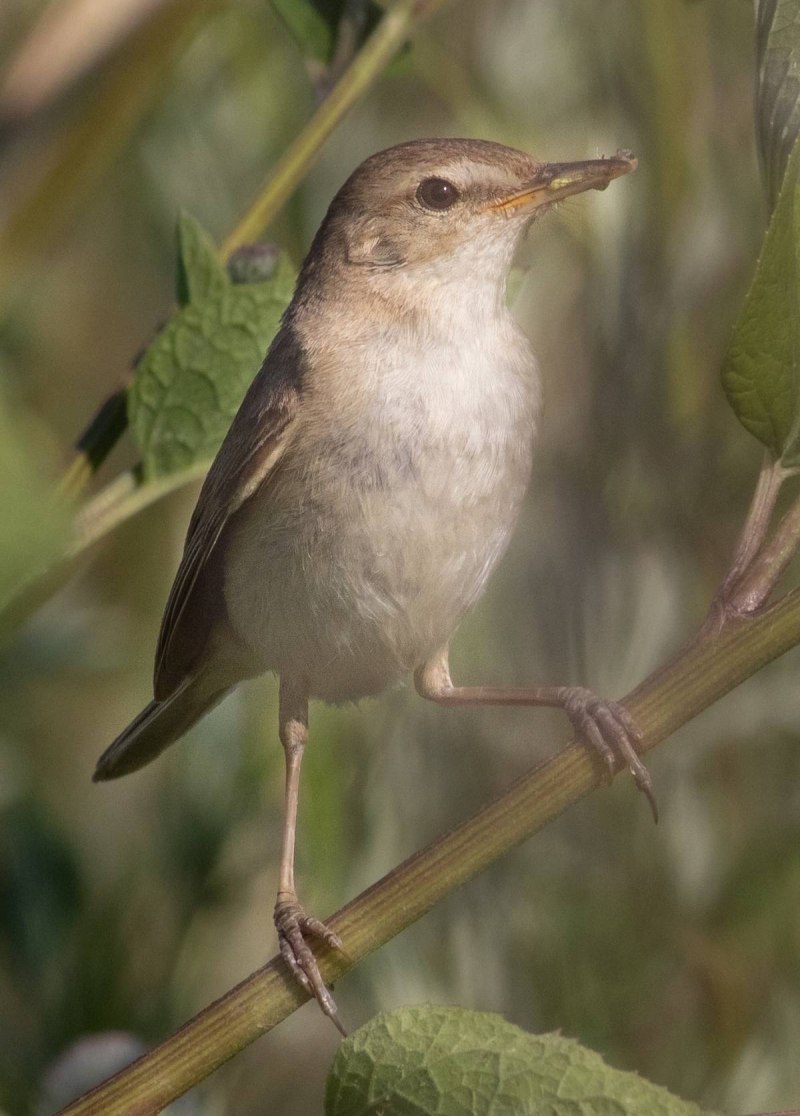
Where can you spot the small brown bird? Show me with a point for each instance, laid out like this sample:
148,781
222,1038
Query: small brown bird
373,475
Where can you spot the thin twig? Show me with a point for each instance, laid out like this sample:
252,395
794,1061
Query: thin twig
756,584
744,590
759,516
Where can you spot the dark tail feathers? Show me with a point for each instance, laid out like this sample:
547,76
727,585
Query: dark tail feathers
159,724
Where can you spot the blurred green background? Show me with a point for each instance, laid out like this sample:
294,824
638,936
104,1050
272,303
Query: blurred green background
674,951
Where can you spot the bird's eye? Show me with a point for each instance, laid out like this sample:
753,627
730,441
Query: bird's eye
437,193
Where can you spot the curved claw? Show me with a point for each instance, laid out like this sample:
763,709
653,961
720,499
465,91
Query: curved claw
610,730
294,926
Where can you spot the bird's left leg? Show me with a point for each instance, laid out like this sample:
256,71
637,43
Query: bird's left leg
606,726
291,921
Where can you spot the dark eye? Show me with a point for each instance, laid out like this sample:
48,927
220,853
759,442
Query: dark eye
437,193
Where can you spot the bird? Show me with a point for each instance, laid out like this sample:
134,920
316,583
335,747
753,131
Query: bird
372,477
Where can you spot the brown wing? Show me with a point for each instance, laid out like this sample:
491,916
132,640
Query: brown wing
246,458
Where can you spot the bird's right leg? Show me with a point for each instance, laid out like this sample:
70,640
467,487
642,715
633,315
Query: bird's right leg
291,921
606,726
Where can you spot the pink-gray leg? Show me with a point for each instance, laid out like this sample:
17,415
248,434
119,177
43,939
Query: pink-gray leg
291,921
606,726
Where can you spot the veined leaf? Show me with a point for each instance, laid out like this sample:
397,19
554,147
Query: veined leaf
191,380
762,366
445,1061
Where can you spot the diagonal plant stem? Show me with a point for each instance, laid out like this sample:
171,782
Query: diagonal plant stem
701,674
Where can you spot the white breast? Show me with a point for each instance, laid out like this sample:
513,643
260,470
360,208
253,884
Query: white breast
391,507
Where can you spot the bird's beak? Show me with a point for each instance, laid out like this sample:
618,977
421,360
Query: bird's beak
554,181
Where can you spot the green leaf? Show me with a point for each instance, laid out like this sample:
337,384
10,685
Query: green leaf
761,368
778,86
200,274
445,1061
191,380
315,23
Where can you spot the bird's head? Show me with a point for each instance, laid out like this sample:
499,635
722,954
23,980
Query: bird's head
435,207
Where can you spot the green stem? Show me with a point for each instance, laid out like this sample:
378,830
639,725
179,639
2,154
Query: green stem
707,669
123,498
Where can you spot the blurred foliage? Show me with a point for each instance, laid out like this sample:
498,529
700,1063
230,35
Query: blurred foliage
27,505
674,951
315,24
89,140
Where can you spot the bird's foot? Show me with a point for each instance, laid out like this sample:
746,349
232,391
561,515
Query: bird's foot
609,729
294,926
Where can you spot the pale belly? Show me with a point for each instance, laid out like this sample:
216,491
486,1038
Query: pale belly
348,575
389,509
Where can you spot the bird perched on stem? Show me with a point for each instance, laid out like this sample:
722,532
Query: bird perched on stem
373,475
